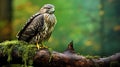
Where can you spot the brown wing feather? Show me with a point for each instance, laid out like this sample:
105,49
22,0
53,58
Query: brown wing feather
26,25
31,28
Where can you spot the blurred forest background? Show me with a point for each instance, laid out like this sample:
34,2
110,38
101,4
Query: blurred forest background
93,25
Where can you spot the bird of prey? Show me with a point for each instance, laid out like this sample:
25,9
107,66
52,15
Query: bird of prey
39,27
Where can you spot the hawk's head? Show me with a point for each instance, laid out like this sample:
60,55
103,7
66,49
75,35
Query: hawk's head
47,8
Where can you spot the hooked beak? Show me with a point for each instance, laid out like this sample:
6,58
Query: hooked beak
52,11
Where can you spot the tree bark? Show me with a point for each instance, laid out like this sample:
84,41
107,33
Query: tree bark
5,19
69,58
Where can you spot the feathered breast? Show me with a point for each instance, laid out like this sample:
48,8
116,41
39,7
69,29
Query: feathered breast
51,21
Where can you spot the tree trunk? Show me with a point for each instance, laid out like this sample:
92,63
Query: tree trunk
5,19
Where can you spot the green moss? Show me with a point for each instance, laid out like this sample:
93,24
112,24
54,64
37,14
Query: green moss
50,50
28,54
92,57
27,51
7,46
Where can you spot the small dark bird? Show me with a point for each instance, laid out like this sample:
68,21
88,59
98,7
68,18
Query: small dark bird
39,27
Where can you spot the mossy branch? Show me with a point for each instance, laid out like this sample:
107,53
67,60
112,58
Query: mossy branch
17,52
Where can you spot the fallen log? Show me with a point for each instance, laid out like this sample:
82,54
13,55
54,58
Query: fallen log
46,58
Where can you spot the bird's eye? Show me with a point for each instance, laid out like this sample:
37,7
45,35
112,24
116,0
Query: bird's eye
48,8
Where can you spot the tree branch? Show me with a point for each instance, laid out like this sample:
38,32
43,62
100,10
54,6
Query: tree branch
45,58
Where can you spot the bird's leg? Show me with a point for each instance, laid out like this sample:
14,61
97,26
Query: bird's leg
37,45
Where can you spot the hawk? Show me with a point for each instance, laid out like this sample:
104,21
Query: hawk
39,27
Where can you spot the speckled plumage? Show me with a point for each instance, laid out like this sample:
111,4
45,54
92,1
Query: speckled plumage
40,26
